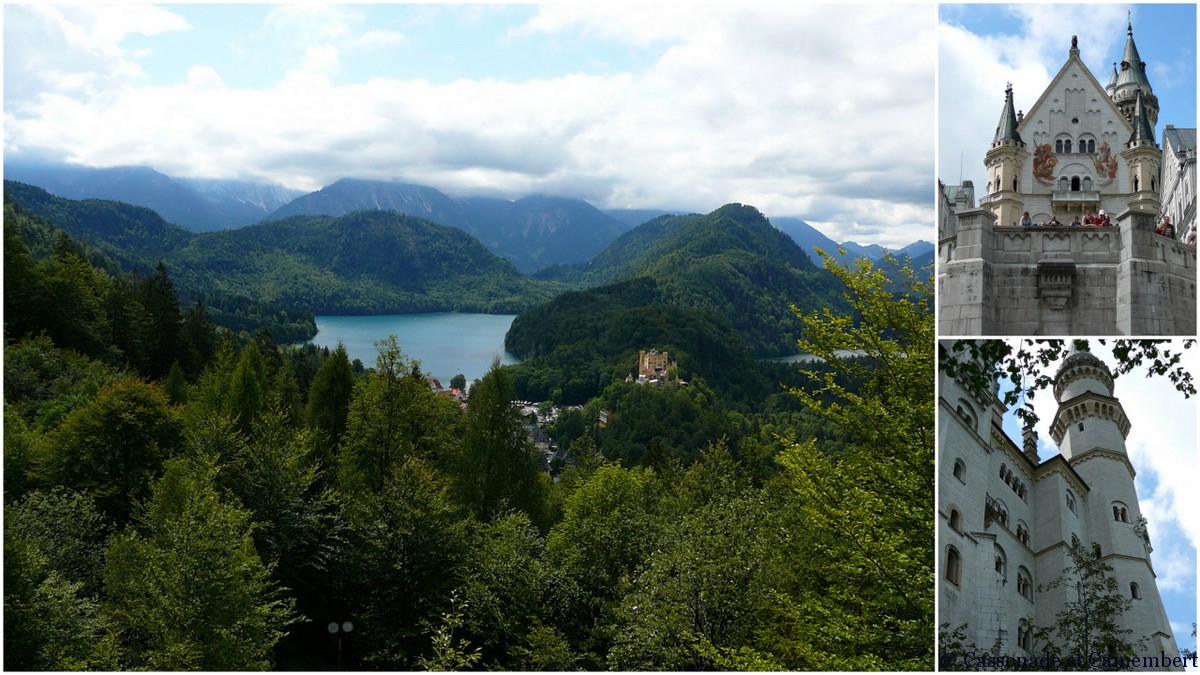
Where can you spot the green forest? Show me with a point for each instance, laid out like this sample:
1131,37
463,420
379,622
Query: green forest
182,496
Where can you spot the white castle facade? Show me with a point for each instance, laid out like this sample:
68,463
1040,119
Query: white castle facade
1006,519
1083,148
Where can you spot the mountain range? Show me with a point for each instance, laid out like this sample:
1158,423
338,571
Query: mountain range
534,232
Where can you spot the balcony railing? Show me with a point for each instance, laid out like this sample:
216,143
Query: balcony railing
1075,197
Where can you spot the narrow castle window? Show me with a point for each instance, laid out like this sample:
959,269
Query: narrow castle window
1067,146
953,565
960,470
1071,501
1091,147
1074,181
1058,146
956,520
1134,591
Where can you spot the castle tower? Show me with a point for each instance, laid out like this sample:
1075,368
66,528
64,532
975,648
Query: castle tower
1090,428
1004,161
1144,158
1129,79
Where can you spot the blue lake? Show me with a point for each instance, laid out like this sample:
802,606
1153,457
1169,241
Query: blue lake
445,344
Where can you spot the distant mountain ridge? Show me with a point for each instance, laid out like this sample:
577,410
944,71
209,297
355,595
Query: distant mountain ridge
197,204
533,232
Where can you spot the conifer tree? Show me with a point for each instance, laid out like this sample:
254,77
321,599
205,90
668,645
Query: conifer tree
329,403
499,467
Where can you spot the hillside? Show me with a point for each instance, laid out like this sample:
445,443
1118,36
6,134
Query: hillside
133,235
732,262
367,262
532,232
372,262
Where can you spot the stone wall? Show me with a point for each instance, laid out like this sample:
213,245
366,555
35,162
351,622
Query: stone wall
1119,280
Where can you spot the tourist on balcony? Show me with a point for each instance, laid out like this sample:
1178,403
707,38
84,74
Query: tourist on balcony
1026,221
1075,222
1054,222
1102,219
1165,228
1089,219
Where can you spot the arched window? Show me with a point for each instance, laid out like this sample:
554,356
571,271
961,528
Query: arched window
1063,185
1096,549
953,565
1134,591
1025,637
1074,183
956,520
1071,501
1091,146
960,470
1022,532
1001,562
1120,513
1067,146
1024,583
1087,183
1058,146
1074,541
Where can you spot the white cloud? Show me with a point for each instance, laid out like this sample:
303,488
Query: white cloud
973,71
75,49
815,112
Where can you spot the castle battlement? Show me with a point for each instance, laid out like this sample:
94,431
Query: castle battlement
1117,280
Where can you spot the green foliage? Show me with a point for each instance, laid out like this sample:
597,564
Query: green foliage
329,401
187,589
731,263
501,585
498,468
610,524
865,553
699,587
404,546
393,416
1090,621
49,623
450,654
112,447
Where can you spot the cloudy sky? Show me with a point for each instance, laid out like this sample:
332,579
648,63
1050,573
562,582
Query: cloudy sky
983,47
820,113
1162,448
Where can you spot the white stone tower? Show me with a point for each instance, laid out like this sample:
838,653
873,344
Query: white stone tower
1005,159
1090,428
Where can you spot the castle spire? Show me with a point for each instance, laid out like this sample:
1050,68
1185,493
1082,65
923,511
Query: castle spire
1143,130
1007,129
1130,77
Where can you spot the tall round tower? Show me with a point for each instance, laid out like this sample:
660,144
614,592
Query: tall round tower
1090,428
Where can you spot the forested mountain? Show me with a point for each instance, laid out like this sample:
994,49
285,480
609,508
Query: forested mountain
367,262
132,234
532,232
731,262
198,205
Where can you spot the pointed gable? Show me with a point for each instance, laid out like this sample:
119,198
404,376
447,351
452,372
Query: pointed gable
1073,69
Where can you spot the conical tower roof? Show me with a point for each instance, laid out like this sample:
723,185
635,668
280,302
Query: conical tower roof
1143,130
1007,129
1112,81
1133,68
